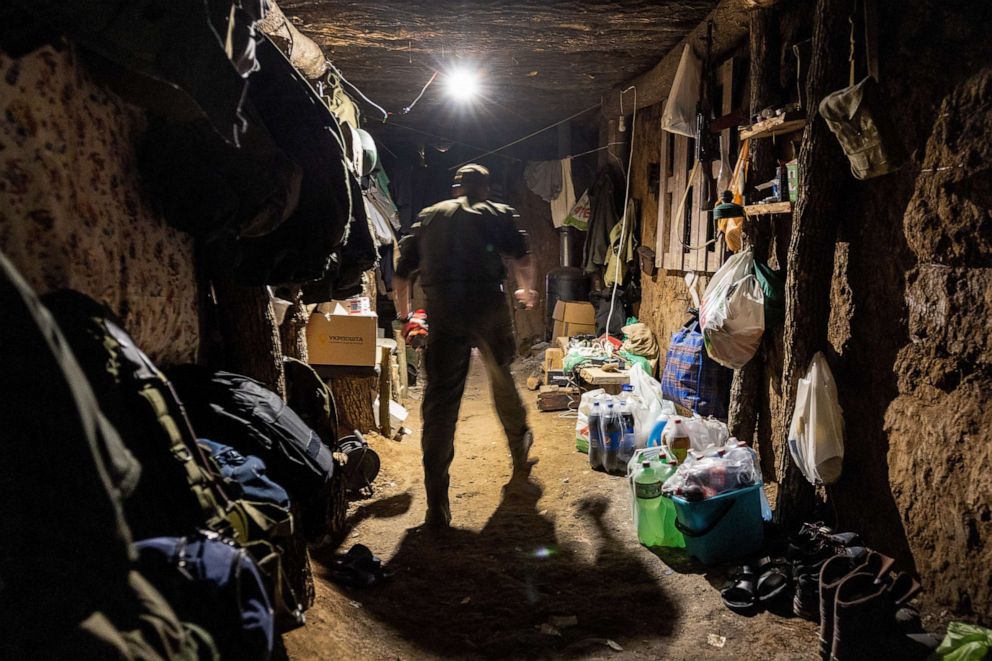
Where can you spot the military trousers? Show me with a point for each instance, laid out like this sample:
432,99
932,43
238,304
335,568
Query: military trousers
457,321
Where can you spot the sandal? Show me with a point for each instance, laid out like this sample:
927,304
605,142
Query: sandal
774,578
739,594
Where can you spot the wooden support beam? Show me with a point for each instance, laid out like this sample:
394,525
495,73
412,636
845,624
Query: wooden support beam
811,248
745,391
249,333
293,331
385,392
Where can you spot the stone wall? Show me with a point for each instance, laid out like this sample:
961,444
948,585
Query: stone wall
910,331
73,213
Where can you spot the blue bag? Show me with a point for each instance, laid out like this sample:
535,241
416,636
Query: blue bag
214,584
245,476
691,378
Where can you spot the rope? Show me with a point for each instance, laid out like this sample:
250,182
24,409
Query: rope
626,202
526,137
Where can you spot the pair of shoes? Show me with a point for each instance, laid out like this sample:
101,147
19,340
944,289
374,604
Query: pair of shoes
763,582
866,619
832,574
809,550
358,568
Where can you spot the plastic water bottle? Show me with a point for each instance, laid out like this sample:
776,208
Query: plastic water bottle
647,494
670,535
627,442
612,426
595,437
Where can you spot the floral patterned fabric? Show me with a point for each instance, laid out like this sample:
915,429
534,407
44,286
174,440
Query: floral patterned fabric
72,210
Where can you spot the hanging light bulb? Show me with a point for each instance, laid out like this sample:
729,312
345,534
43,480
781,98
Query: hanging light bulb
462,84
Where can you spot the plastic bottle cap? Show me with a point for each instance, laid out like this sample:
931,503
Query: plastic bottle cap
646,464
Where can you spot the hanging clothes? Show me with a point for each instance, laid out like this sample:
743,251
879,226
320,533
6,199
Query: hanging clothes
544,178
562,205
603,216
619,256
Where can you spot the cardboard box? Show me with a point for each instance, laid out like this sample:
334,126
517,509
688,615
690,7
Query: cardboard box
339,338
574,318
553,359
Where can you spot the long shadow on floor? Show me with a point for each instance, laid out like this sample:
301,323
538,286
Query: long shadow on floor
498,592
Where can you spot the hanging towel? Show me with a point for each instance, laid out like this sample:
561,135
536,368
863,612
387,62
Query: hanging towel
544,178
562,205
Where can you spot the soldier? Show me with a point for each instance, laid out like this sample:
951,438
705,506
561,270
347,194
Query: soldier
457,246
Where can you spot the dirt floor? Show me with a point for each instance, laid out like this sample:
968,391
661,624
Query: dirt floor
554,570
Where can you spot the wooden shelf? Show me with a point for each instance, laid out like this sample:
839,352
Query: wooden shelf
774,207
789,122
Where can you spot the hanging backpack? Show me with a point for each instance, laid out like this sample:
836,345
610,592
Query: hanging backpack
180,489
214,584
240,412
691,379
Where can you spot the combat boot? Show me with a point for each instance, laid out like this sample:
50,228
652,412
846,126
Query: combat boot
865,624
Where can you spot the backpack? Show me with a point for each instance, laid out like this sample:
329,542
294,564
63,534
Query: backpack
240,412
246,476
180,490
67,589
214,584
139,401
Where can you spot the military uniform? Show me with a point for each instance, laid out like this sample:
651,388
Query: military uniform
458,248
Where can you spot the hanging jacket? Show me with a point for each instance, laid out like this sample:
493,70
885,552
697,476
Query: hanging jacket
602,219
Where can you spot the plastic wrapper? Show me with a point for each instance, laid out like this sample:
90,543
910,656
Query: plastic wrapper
715,470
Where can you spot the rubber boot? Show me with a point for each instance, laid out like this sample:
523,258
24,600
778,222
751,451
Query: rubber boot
864,623
833,572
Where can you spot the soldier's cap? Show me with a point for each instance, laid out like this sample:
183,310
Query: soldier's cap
471,174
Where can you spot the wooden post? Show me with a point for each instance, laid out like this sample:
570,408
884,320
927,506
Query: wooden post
249,333
824,170
401,359
385,395
745,392
292,332
353,397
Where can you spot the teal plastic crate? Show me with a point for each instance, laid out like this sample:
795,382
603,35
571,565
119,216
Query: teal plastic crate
723,527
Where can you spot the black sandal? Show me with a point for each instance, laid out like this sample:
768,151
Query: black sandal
739,594
774,578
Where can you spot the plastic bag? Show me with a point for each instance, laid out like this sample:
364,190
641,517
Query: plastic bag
582,421
715,470
816,436
732,314
965,642
647,404
679,115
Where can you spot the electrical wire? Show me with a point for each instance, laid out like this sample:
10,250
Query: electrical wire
414,102
626,201
526,137
337,72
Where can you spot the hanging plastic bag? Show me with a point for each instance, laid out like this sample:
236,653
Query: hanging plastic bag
679,115
732,314
816,436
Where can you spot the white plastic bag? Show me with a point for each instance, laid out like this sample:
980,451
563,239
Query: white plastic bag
647,404
732,315
679,115
816,436
582,421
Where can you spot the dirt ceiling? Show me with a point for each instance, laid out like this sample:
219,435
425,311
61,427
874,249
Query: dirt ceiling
539,61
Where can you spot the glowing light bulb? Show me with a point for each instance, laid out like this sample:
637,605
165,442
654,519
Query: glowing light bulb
462,84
